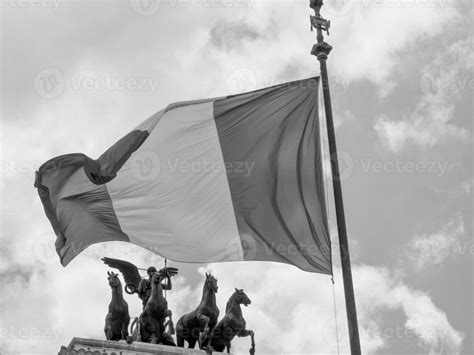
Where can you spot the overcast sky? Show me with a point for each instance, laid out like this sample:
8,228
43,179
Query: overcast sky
78,75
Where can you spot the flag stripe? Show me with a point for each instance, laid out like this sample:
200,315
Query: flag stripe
172,196
270,138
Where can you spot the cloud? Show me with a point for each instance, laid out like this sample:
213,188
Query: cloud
230,35
467,186
433,249
298,307
442,82
379,290
47,306
295,305
370,37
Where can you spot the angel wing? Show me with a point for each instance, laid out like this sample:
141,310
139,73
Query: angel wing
129,271
170,271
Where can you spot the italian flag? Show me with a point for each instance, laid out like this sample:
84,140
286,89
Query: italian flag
223,179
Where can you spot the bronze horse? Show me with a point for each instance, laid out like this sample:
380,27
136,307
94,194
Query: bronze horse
232,324
152,319
116,321
198,325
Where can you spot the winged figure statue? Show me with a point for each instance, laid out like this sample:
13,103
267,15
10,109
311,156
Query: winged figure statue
134,283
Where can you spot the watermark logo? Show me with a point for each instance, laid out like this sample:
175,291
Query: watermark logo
241,245
241,80
374,166
243,168
346,166
211,3
12,167
339,8
335,250
145,7
435,80
334,332
438,81
406,3
369,165
145,166
49,83
44,249
42,4
26,333
102,82
436,251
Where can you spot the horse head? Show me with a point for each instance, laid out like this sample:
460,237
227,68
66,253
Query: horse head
114,280
211,283
156,277
241,297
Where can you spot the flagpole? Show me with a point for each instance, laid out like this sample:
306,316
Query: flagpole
321,50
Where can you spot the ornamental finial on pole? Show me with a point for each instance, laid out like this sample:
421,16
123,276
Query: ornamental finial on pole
320,49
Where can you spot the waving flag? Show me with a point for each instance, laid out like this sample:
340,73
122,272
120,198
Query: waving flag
226,179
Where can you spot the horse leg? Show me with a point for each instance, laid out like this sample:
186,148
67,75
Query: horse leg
179,341
134,329
170,322
156,331
145,332
227,345
246,333
109,334
180,336
203,337
193,337
124,331
191,343
208,345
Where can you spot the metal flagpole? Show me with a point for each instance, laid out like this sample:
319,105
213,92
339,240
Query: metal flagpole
321,50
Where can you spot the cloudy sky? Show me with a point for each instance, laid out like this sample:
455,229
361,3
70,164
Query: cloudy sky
77,75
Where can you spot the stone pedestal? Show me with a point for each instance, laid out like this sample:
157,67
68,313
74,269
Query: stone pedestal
81,346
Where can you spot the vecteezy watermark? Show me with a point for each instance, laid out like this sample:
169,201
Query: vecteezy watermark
436,249
244,168
145,7
212,3
145,166
43,4
335,251
110,82
338,336
241,246
437,168
334,331
49,333
241,80
437,80
49,83
44,249
12,167
406,3
347,166
339,7
399,331
245,80
336,8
